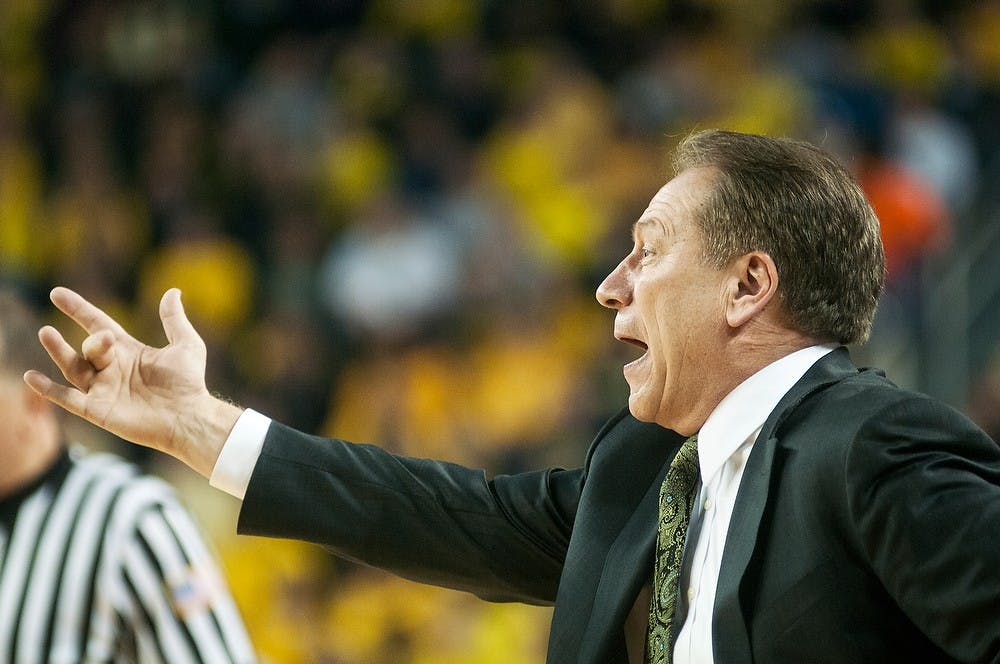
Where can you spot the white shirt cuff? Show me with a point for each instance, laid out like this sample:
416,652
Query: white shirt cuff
239,454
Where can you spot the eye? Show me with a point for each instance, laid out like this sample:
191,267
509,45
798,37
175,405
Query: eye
645,253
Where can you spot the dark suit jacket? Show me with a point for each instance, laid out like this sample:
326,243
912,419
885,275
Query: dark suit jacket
866,528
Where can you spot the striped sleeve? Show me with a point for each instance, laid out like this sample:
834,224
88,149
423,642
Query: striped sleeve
170,591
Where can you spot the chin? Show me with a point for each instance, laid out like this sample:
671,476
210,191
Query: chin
641,411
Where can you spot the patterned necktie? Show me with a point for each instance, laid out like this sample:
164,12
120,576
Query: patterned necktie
676,502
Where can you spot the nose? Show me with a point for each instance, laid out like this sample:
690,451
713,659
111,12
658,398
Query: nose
615,291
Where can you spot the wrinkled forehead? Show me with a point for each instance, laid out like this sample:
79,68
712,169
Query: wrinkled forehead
678,202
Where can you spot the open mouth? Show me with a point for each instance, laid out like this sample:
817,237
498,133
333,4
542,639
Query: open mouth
635,342
638,343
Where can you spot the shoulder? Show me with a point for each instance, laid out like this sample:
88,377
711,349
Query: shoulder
865,429
858,404
116,490
915,429
862,423
115,472
869,406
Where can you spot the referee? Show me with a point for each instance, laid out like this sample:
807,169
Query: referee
98,563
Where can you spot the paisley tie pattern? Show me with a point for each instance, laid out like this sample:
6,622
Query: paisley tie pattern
676,501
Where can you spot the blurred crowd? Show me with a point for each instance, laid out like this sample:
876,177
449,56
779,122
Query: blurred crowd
388,218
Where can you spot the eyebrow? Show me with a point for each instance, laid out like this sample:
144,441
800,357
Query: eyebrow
644,221
650,221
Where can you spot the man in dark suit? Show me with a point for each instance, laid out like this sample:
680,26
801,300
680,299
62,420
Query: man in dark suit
819,514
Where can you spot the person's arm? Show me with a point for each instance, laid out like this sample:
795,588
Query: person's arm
502,539
155,397
924,492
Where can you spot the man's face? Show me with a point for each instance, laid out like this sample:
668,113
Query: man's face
671,304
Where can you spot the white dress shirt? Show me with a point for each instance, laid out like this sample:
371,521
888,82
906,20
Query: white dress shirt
724,444
239,454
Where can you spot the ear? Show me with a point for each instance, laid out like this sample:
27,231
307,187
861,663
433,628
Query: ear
754,282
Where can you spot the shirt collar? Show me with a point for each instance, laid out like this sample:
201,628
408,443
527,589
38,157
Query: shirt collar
743,411
55,473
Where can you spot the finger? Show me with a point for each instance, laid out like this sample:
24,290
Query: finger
72,400
98,349
73,366
176,324
86,315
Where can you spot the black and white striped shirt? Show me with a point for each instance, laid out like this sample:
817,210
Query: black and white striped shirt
99,563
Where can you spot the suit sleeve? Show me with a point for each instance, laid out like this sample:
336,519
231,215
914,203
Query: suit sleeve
924,492
503,539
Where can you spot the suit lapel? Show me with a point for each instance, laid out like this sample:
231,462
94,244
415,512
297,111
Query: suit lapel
627,568
610,552
730,636
730,639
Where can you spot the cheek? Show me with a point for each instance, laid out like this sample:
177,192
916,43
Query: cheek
680,333
672,322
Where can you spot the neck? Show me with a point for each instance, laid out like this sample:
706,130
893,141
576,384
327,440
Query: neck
745,355
762,354
21,470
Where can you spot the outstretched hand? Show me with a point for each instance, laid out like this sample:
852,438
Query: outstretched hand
155,397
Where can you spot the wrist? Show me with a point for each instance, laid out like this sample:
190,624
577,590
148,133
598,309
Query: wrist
213,419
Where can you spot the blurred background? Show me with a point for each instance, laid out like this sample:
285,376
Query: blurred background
388,219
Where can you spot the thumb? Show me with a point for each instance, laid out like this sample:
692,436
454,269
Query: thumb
175,322
98,349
